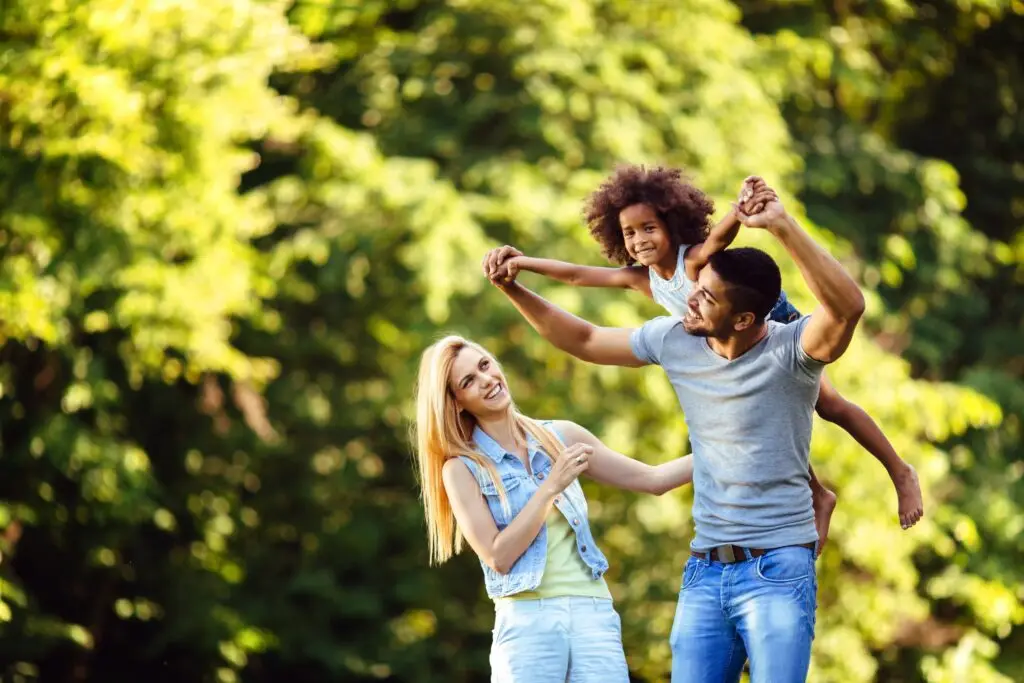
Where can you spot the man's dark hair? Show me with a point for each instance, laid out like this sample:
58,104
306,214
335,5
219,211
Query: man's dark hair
683,208
753,277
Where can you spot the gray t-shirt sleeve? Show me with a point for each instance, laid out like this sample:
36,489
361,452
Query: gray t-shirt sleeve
791,352
648,341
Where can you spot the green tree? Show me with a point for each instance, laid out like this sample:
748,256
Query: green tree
128,262
215,293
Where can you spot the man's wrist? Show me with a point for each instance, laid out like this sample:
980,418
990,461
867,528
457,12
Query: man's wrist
786,224
508,288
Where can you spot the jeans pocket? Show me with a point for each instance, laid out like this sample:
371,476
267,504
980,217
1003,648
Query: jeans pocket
612,618
785,565
691,573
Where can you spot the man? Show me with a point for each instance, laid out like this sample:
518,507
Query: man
748,389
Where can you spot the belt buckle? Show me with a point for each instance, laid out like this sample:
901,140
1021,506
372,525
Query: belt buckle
726,554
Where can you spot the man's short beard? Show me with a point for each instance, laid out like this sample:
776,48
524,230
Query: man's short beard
696,332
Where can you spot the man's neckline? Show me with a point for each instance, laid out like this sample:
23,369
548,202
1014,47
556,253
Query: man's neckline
707,346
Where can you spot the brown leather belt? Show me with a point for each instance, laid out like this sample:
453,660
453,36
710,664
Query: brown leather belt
734,553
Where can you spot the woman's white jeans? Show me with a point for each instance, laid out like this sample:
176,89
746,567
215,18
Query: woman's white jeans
558,640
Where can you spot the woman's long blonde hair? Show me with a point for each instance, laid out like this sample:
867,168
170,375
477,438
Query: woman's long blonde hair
443,432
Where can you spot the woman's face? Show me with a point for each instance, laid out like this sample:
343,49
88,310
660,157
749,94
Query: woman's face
478,384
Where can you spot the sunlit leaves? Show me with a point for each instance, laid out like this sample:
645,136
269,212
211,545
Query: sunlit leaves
205,392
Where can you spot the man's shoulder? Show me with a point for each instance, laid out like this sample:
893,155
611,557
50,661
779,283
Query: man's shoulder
784,345
669,338
779,332
666,328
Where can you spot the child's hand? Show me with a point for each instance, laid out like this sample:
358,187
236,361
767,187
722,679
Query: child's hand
771,210
496,267
751,186
512,268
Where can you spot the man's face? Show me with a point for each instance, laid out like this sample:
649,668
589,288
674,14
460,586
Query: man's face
711,312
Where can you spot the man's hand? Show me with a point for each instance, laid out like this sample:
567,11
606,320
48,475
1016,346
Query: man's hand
496,267
762,209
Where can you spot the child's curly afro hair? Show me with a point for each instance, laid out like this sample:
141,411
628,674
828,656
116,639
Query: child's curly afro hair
683,208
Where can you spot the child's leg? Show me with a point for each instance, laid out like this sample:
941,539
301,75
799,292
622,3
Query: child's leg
858,424
824,503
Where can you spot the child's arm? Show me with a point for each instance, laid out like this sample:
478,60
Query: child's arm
720,237
723,234
630,277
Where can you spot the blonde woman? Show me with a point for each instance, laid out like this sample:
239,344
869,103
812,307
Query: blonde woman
508,485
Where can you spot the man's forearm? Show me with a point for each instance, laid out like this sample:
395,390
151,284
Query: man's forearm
563,329
831,285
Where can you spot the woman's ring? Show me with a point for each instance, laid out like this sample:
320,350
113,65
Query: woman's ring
579,459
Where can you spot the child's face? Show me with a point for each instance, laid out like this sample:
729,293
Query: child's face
647,240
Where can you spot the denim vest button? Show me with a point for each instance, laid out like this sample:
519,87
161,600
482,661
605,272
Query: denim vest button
540,476
576,522
584,548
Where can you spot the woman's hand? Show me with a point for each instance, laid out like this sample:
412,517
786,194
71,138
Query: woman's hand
573,462
615,469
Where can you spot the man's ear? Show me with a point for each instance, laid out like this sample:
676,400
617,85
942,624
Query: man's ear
744,321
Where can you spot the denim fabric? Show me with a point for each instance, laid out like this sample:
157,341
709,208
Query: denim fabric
783,311
558,640
525,574
761,609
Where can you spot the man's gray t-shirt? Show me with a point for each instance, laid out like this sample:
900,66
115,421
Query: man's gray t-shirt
750,429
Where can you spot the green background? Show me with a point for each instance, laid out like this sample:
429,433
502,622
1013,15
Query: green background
229,227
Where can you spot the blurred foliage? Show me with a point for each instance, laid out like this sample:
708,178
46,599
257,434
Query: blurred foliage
229,227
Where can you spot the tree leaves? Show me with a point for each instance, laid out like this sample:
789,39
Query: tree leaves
215,292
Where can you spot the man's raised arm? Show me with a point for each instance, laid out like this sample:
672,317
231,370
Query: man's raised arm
601,345
830,329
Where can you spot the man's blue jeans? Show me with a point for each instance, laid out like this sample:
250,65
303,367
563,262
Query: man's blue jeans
761,609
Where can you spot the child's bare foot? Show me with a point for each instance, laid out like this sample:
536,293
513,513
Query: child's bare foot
908,492
824,503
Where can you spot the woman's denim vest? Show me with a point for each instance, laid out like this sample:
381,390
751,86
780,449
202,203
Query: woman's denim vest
525,574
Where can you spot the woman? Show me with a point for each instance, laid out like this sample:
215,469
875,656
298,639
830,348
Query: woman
507,484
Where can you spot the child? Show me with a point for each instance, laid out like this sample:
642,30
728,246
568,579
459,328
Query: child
655,225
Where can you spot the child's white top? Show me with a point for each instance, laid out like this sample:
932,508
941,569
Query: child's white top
673,293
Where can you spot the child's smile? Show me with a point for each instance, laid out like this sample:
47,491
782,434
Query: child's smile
646,238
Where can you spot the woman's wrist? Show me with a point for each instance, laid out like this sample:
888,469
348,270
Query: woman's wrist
548,490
